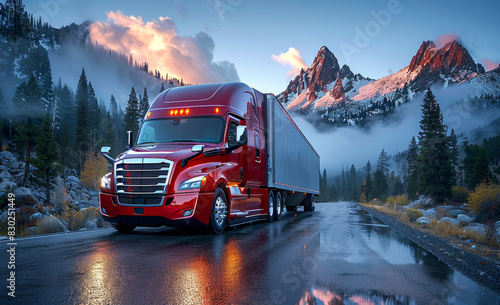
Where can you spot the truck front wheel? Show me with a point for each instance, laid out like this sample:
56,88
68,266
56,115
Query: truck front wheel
218,216
123,228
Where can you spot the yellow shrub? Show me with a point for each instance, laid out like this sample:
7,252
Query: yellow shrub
459,194
391,200
362,198
78,220
401,200
481,193
413,214
94,168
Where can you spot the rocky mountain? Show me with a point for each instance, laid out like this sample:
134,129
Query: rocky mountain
337,94
313,84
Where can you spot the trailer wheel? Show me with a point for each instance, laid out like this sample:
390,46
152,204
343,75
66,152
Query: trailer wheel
309,205
278,206
123,228
218,215
270,206
291,208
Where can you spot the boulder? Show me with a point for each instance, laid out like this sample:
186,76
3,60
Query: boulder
475,229
496,225
455,213
91,224
463,219
51,224
24,195
431,213
6,176
8,156
7,186
449,220
36,216
446,208
74,196
74,182
88,203
32,230
423,220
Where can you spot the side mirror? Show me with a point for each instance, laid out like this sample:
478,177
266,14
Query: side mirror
241,135
105,150
129,139
197,148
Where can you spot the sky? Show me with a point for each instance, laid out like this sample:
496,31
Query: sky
265,43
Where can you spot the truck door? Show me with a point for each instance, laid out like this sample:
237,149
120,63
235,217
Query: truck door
236,163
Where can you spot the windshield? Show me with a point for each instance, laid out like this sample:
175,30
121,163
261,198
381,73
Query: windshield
192,129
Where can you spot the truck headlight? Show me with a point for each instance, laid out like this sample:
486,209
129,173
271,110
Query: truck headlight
193,183
106,181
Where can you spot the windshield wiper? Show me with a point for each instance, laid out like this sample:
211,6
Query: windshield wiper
184,141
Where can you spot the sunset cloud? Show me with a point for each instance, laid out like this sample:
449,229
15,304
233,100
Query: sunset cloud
489,64
442,40
157,43
291,58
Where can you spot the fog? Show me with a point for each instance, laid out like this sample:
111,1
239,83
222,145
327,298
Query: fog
107,74
351,145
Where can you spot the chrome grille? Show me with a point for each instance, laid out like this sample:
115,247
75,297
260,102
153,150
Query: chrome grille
142,181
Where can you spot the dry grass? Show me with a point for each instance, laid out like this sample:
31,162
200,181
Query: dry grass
444,229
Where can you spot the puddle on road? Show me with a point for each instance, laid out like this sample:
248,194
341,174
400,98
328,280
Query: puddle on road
399,250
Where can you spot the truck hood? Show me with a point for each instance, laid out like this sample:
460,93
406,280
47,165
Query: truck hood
170,151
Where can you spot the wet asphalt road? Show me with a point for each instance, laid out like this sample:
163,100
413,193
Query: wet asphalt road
336,255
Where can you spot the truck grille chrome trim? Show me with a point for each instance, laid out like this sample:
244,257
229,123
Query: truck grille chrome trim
142,181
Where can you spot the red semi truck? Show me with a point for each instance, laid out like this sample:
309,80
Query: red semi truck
211,155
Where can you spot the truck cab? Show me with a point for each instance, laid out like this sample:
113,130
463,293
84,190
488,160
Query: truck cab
199,159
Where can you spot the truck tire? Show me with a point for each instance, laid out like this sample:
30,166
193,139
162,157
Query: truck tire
123,228
278,205
291,208
270,206
309,205
218,215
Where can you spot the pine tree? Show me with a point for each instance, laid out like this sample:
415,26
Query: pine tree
476,165
434,162
132,113
354,194
323,186
113,107
66,149
66,105
383,163
454,149
162,87
82,119
28,107
94,116
412,187
37,63
380,185
45,154
143,106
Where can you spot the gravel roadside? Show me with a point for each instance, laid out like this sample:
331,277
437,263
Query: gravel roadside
482,270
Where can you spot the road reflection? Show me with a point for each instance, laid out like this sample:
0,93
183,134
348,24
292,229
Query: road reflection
326,297
208,279
97,285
